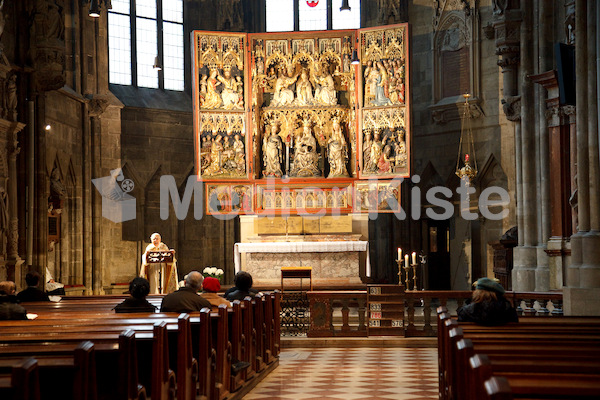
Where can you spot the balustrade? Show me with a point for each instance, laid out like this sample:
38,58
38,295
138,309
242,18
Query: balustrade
344,313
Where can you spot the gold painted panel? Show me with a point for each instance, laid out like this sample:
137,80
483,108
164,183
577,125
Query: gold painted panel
229,199
381,196
336,224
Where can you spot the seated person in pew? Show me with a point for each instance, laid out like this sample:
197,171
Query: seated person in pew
9,307
488,306
186,299
210,287
139,288
32,293
242,288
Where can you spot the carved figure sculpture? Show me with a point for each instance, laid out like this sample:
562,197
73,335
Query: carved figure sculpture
337,152
367,149
283,95
272,153
203,87
325,94
216,149
229,94
371,75
304,94
381,86
306,159
374,154
240,156
212,99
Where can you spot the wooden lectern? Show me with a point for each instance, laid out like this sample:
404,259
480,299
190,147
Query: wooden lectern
159,257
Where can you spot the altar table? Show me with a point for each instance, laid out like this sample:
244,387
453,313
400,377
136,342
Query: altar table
335,261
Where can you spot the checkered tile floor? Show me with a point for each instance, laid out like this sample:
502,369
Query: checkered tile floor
351,374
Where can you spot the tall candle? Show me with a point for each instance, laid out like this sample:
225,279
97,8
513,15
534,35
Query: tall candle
399,254
406,260
414,257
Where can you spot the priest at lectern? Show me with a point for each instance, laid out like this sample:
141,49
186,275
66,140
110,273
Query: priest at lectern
159,266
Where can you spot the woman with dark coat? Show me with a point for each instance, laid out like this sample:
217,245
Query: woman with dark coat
138,290
488,306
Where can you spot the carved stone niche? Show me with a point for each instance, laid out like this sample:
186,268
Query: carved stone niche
456,60
47,44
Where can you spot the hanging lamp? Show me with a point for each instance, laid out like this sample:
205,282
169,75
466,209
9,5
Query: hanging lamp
466,164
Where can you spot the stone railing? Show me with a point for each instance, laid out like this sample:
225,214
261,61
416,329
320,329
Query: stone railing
344,313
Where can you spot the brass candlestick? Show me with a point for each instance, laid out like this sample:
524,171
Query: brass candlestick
406,275
399,262
414,269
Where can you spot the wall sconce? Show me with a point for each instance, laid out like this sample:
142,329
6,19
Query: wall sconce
157,65
95,7
345,5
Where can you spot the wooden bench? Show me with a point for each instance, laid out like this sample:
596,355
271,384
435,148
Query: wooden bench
22,383
57,372
212,368
524,354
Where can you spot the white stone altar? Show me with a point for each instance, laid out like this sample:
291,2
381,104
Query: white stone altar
332,262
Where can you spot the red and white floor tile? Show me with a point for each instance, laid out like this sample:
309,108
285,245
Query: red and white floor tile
351,374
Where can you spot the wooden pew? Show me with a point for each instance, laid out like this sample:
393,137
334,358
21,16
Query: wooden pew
23,381
116,360
152,349
58,372
238,341
547,386
519,348
207,355
99,319
249,347
179,350
222,346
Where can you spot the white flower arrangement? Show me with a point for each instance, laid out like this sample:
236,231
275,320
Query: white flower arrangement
213,272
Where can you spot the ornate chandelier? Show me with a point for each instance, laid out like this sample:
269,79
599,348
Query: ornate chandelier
466,147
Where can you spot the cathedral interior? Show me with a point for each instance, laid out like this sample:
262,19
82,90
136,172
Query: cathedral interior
109,124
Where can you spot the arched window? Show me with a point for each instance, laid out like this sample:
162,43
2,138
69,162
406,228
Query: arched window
143,34
311,15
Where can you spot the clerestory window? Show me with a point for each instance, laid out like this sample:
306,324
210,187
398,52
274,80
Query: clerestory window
311,15
144,35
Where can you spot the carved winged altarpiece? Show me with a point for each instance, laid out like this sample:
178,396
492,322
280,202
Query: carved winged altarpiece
286,123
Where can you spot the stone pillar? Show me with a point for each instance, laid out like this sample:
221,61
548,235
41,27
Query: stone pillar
589,273
559,188
582,296
13,261
525,255
581,161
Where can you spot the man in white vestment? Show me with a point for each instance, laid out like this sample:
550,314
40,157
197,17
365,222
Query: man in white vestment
161,275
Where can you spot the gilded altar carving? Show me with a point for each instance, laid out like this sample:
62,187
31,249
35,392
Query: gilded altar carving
384,149
301,72
222,139
303,198
220,69
383,67
286,113
313,142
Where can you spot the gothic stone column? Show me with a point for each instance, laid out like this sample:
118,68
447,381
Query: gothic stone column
560,184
